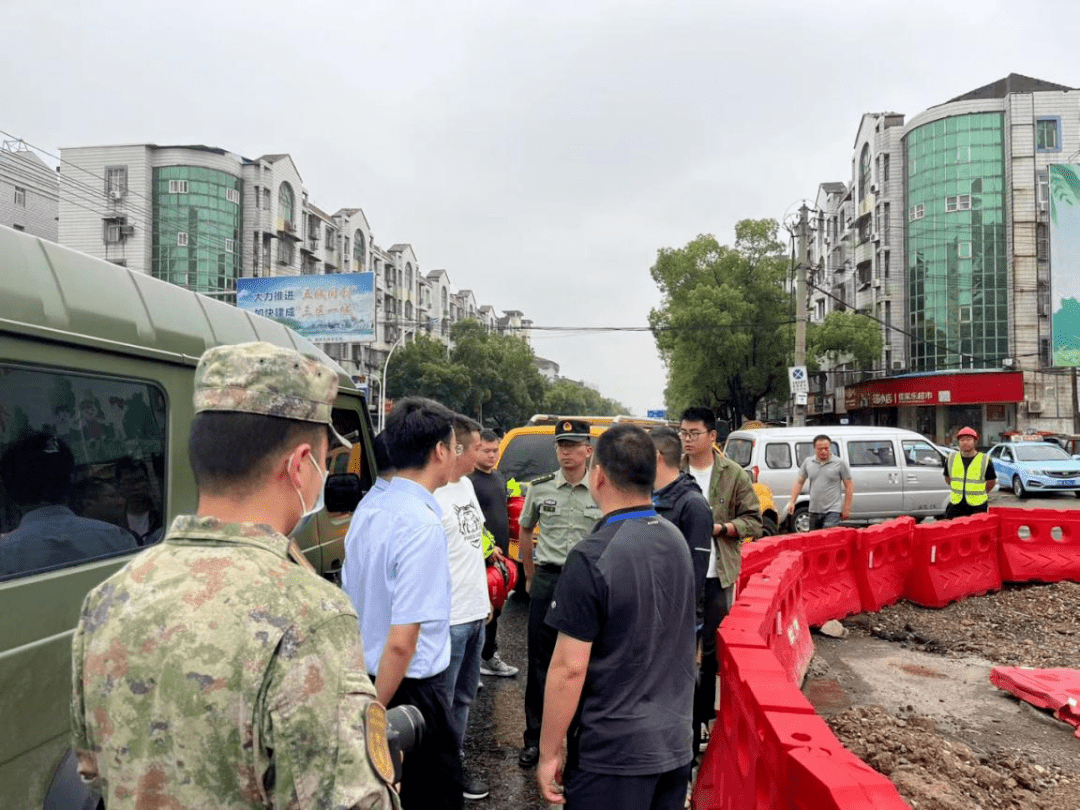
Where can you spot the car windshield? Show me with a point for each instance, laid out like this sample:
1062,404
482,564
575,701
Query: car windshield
1041,452
529,456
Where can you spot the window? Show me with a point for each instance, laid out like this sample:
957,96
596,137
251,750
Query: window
739,450
232,195
959,202
884,169
864,171
181,239
963,250
331,235
358,251
1048,135
921,454
89,452
284,251
912,167
1043,189
873,453
883,224
963,154
965,314
916,212
258,198
230,245
1042,242
20,196
112,233
778,456
178,186
285,205
116,181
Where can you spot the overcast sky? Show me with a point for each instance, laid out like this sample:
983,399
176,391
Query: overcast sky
540,152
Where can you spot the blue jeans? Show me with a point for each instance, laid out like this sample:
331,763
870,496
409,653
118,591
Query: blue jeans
462,677
824,520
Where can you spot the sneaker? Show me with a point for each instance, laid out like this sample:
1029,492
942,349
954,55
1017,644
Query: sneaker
496,666
475,789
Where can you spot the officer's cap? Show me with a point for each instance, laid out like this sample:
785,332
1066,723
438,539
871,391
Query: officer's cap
265,379
572,430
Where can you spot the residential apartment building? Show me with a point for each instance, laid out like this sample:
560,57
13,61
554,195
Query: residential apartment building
202,217
29,191
947,246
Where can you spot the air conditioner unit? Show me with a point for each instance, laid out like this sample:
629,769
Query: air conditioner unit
1034,406
1044,205
873,188
127,230
116,195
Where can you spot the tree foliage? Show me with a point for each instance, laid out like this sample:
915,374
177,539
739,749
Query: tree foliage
490,376
569,397
720,327
845,335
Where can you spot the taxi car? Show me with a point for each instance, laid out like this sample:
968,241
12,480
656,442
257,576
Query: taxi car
1028,466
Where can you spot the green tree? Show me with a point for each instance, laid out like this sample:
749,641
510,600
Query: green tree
568,397
845,334
720,326
421,368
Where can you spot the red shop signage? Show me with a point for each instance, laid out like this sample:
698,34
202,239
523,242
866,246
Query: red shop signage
937,389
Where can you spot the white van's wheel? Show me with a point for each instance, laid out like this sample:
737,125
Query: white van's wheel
800,522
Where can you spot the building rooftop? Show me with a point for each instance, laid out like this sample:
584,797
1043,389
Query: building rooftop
1013,83
834,188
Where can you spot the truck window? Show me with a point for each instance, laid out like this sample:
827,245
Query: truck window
739,450
873,453
778,455
82,468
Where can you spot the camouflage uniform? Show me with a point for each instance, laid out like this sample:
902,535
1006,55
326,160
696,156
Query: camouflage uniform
212,671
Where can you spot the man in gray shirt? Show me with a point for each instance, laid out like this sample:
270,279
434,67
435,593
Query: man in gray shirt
831,488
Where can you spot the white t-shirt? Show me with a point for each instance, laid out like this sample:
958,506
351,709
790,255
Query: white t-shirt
464,524
704,478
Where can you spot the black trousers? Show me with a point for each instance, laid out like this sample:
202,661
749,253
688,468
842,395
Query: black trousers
431,774
492,627
541,645
718,602
598,791
963,509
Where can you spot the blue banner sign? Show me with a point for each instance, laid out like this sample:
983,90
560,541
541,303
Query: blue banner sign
336,308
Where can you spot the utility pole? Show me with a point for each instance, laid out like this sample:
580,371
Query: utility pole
800,307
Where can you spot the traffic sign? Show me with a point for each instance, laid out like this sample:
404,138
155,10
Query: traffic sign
797,377
657,414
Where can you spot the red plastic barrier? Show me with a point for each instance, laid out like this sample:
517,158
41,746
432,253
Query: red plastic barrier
1039,544
830,582
836,780
757,555
786,630
1056,689
953,559
884,559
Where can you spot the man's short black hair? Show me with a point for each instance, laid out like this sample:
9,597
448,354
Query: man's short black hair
628,457
820,437
487,435
383,463
38,468
703,415
232,451
413,428
464,427
666,441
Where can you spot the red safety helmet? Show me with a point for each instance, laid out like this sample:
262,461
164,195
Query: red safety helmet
501,577
967,431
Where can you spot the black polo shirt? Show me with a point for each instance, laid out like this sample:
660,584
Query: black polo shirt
629,589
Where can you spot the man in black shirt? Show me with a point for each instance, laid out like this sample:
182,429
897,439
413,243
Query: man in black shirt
490,487
620,684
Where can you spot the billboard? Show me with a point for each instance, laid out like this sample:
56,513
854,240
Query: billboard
1065,263
336,308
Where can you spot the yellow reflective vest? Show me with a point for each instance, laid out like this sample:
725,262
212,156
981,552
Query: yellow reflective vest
968,485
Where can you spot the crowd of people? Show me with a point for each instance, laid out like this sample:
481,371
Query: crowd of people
214,671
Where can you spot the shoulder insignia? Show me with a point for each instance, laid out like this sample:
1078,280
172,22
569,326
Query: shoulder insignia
543,479
378,749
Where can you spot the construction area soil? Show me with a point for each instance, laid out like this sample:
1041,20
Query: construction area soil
908,691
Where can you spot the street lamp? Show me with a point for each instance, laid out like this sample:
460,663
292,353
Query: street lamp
382,383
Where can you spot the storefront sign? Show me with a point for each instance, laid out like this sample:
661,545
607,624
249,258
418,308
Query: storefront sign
937,389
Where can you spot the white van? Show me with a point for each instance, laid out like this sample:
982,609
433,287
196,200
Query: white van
895,472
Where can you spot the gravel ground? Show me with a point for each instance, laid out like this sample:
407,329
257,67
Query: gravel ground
971,745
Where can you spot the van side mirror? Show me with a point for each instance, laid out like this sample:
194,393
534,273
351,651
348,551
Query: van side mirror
342,492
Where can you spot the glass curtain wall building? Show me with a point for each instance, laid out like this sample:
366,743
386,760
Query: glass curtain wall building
198,216
956,243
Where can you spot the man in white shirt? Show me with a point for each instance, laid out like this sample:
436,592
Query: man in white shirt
463,521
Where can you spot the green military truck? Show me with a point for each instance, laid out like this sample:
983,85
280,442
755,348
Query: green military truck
100,360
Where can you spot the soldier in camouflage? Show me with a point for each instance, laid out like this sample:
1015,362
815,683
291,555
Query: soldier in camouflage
213,671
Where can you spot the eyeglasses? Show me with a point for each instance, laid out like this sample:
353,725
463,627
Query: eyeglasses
692,434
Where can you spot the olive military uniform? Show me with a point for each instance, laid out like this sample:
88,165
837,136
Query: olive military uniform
564,513
214,671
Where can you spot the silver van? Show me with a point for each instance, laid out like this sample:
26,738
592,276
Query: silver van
895,472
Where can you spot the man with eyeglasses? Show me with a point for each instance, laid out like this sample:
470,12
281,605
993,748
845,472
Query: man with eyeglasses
561,506
736,515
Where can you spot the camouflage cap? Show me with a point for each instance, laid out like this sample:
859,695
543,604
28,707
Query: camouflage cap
265,379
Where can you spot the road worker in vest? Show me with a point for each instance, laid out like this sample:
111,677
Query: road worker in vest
971,476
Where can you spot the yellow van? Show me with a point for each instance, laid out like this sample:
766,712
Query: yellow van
96,370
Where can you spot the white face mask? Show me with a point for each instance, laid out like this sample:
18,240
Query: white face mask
315,507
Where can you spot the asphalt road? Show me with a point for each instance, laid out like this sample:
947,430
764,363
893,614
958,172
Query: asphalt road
1039,500
497,720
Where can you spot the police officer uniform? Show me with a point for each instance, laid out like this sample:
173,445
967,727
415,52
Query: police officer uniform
563,513
213,670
